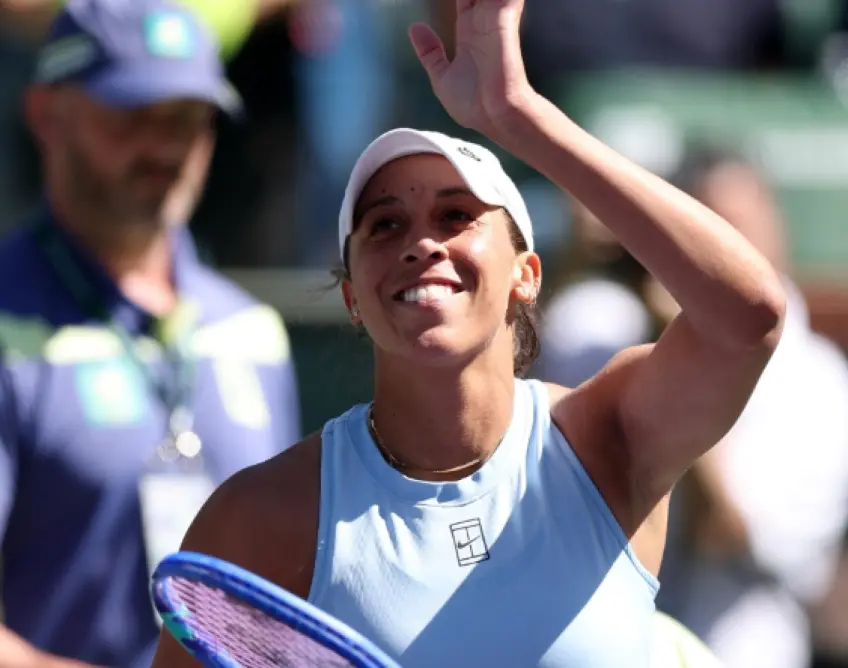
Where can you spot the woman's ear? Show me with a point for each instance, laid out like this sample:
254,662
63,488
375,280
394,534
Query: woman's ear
527,277
350,303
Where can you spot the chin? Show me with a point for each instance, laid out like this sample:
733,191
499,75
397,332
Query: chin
437,347
148,209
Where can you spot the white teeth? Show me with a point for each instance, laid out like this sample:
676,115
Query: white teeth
427,293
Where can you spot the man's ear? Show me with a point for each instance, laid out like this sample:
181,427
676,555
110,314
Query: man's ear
41,111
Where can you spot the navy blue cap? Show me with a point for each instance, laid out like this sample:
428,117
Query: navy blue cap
132,53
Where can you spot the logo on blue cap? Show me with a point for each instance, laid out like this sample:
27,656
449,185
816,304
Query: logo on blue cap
169,35
66,57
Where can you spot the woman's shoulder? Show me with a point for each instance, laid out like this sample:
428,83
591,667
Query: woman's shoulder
265,517
288,476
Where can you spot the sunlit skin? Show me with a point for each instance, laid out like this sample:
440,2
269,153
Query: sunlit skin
417,223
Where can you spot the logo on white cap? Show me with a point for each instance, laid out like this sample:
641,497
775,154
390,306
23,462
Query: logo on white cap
468,153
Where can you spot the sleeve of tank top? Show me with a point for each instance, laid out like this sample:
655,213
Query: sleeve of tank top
8,448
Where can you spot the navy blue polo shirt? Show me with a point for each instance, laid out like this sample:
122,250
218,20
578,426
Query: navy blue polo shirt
79,424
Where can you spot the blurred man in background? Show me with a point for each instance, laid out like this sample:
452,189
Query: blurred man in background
292,61
760,520
133,379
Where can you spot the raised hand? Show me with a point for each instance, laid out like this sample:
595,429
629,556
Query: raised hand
486,80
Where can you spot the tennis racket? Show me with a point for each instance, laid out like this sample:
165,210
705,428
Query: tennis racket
228,617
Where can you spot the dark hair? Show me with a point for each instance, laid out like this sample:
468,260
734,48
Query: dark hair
526,343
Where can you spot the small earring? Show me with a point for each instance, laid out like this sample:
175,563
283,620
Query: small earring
354,312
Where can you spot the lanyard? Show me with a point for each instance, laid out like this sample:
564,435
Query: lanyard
174,392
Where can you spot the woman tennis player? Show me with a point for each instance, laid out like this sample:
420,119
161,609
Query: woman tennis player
467,517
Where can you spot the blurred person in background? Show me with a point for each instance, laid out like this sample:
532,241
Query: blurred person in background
133,379
253,160
597,306
757,525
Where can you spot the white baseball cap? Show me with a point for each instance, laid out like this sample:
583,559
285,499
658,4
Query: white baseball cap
479,168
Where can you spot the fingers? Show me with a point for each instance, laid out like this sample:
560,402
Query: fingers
430,50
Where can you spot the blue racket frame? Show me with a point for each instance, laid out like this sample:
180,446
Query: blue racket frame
262,595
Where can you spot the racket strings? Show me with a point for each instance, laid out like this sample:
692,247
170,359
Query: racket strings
244,635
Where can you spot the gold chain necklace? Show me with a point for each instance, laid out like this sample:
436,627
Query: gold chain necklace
394,462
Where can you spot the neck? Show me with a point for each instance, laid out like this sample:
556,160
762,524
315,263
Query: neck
435,419
137,256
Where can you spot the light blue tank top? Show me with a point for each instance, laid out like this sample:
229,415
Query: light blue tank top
519,565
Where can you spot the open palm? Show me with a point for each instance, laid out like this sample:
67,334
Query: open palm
486,74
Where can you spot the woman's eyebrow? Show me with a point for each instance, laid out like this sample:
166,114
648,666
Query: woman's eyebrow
455,190
361,210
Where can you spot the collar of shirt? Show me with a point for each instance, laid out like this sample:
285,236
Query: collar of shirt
122,310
